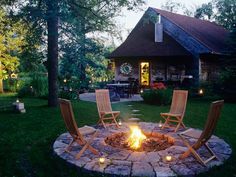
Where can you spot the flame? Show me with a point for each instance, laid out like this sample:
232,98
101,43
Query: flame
136,137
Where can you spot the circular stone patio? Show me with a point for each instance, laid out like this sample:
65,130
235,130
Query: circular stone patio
122,162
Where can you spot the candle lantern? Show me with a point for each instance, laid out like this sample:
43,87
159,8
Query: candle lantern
120,122
200,92
101,160
168,158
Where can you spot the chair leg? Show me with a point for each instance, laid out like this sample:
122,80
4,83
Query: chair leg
212,153
103,123
177,127
92,149
88,146
182,124
195,154
166,122
114,119
68,148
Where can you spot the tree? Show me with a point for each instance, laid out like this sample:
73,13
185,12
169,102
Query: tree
11,42
223,12
177,7
226,13
205,10
97,14
52,27
172,6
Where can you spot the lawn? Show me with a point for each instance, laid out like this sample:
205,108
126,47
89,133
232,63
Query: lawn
26,139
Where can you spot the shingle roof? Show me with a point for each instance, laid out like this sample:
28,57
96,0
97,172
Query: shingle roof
141,43
208,33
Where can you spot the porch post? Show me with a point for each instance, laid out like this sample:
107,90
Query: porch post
193,68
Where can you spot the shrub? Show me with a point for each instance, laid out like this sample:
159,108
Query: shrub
10,85
227,85
210,91
36,85
157,96
39,85
69,95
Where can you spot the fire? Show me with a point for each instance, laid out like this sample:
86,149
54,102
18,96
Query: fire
136,137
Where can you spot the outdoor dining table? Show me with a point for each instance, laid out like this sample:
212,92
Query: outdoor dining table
119,88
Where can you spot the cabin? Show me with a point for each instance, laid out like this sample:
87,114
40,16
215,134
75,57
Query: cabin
170,47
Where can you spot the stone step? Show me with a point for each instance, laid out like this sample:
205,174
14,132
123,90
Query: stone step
135,110
134,119
136,114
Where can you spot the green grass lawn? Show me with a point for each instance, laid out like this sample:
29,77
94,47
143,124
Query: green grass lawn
26,139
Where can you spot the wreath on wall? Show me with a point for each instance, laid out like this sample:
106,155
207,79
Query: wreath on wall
126,68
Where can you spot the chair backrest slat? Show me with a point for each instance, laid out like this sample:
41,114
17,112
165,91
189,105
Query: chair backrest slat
213,117
103,100
68,117
179,101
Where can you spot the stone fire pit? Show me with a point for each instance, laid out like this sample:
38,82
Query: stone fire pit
124,162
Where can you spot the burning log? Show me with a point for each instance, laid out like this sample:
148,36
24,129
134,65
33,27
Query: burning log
150,143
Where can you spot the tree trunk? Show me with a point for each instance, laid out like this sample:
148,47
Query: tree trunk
82,51
52,22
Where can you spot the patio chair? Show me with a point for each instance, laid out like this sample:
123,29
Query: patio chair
76,133
104,108
202,136
174,118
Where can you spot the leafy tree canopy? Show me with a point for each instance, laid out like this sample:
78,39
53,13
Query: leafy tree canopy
11,42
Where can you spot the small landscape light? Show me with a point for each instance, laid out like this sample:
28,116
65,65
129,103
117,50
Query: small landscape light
31,86
141,91
101,160
160,124
64,80
70,89
200,92
120,123
17,100
168,158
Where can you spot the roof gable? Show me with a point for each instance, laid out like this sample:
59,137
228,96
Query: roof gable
208,33
182,36
141,43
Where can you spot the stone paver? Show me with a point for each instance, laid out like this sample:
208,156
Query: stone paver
92,98
142,169
118,170
163,171
124,162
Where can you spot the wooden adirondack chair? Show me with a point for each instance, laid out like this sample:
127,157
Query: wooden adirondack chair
75,132
174,118
203,136
104,108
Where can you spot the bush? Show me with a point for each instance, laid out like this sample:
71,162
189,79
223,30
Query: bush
210,91
157,96
227,85
36,85
11,85
69,95
39,85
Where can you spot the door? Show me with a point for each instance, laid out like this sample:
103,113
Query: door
144,73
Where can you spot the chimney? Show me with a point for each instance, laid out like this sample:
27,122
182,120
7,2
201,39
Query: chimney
158,30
